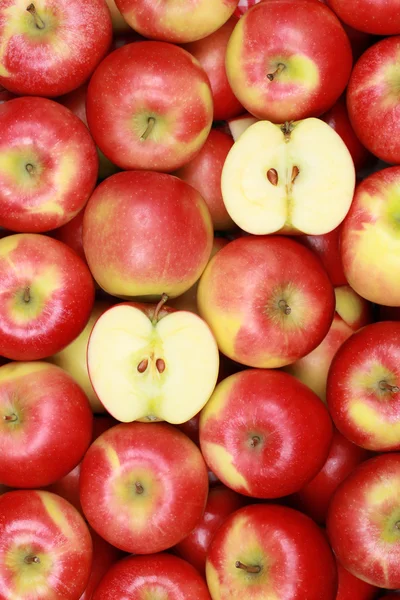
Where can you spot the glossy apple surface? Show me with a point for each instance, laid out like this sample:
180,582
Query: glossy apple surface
145,473
118,22
72,234
47,296
371,16
327,248
352,588
47,47
104,557
151,128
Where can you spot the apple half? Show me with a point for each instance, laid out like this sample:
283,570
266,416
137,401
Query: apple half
294,178
152,363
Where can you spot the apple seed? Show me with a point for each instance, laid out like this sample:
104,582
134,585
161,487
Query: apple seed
142,366
272,176
295,172
160,364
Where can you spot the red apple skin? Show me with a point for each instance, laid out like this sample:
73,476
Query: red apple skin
362,521
236,440
40,524
204,173
104,557
61,56
51,427
363,392
283,542
61,294
352,308
370,16
327,248
220,504
52,141
179,129
314,498
210,52
338,118
170,468
71,234
118,22
352,588
372,100
5,95
156,576
312,42
158,240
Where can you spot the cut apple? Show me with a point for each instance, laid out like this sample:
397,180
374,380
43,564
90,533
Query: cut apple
293,178
238,125
152,365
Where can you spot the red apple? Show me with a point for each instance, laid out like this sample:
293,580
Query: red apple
352,588
204,173
5,95
159,576
270,551
264,434
373,99
314,498
364,521
267,299
45,547
104,557
363,390
150,127
47,296
210,52
327,248
72,234
143,486
281,58
48,47
371,16
145,234
45,426
220,504
48,165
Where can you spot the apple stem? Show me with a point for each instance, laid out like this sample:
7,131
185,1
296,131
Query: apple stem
295,172
29,560
160,365
278,70
27,294
287,129
247,568
38,21
150,126
255,440
30,168
284,306
163,300
10,418
142,366
139,488
272,176
386,387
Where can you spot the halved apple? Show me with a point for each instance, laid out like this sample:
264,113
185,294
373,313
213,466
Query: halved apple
152,363
238,125
298,177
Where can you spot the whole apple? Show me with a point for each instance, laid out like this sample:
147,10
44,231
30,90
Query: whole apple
149,127
48,165
47,47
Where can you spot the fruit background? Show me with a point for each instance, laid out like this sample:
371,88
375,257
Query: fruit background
199,300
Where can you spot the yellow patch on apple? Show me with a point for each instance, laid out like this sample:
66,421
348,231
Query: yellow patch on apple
221,461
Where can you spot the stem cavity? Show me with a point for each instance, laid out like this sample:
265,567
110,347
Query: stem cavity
31,559
10,418
139,489
27,295
284,306
271,76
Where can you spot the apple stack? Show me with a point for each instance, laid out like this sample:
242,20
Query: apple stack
199,304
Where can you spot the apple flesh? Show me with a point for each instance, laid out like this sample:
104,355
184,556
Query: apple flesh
47,48
150,363
238,125
292,178
143,486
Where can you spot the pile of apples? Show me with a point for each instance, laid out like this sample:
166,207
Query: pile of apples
199,300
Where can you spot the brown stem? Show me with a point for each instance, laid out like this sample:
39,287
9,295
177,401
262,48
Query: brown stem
38,21
30,168
163,300
27,294
10,418
272,176
295,172
247,568
255,440
386,387
150,126
397,525
139,488
287,129
278,70
142,366
284,306
29,560
160,365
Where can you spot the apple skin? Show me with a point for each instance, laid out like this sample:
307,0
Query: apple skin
274,538
352,588
45,137
124,131
204,171
51,427
104,557
145,234
168,472
118,22
352,308
210,52
369,238
372,100
363,392
245,313
236,427
61,295
314,498
370,16
157,576
220,504
5,95
41,525
58,57
337,117
311,45
327,248
362,521
71,234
